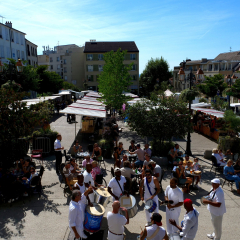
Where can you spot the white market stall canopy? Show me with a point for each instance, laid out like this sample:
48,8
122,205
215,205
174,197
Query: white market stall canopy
86,106
37,100
130,95
93,94
97,103
212,112
201,105
135,100
90,99
235,105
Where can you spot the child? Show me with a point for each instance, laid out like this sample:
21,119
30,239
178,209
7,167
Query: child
196,167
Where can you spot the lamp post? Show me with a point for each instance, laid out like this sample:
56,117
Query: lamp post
1,66
229,82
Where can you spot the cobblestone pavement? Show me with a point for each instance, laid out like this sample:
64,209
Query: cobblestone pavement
47,217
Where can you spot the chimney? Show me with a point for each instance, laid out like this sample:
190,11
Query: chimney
8,24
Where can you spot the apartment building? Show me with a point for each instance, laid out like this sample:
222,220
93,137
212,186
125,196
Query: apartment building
65,60
225,64
31,53
12,43
94,61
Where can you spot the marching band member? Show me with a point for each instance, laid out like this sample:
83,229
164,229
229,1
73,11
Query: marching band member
189,225
75,216
117,184
174,193
155,231
88,180
152,188
217,208
116,222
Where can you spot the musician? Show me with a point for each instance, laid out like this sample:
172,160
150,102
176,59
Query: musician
152,188
174,193
189,225
155,231
116,185
75,216
216,206
116,222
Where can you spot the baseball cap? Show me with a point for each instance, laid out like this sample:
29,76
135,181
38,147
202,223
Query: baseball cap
215,180
117,169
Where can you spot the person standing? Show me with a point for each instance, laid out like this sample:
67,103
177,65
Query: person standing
88,180
152,188
189,225
116,222
58,152
75,214
216,206
155,231
174,193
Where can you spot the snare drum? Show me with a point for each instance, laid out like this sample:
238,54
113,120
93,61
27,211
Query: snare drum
130,204
102,196
205,197
150,205
93,218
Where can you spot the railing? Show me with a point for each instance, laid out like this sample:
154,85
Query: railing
43,143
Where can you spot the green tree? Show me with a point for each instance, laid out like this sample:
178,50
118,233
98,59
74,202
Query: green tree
189,94
156,72
114,79
212,85
49,81
234,90
233,120
67,85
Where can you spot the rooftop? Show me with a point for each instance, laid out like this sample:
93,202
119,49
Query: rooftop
229,56
91,47
1,24
31,42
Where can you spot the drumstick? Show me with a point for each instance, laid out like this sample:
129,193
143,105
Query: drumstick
141,228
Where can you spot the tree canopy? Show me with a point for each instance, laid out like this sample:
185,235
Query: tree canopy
115,79
67,85
212,85
155,72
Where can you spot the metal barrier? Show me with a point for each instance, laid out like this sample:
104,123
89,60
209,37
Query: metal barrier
43,143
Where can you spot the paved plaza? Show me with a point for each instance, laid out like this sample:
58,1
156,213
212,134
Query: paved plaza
47,217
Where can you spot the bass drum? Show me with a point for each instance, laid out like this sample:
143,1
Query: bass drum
130,204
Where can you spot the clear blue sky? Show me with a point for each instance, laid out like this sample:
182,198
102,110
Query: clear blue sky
173,29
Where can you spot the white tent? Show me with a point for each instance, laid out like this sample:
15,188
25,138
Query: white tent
93,94
201,105
97,103
168,93
130,95
212,112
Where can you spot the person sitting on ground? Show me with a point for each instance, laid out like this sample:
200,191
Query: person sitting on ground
68,175
182,179
140,154
218,158
230,174
229,154
157,171
86,161
77,148
196,167
97,152
19,165
237,167
148,150
132,147
95,170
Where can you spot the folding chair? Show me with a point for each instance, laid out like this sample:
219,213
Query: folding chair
215,164
229,182
37,153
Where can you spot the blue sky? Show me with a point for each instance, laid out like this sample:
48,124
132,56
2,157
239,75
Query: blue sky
173,29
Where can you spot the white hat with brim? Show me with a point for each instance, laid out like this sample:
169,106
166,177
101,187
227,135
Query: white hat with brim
215,180
117,169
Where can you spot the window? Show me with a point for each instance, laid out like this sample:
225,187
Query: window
12,36
51,59
65,69
1,34
90,68
74,82
133,56
7,33
89,57
51,67
18,54
100,68
134,77
22,55
90,78
17,38
65,78
2,51
29,62
58,66
22,39
134,67
58,59
8,53
100,57
65,61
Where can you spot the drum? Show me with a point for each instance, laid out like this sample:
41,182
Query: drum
205,197
93,217
102,196
150,205
130,204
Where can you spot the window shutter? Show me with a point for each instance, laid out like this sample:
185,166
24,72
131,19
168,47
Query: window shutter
95,57
92,78
95,67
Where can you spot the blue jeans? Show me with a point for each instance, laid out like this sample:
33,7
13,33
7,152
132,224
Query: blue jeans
236,178
139,163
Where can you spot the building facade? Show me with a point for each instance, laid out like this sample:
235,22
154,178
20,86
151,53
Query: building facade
31,53
94,61
224,63
12,43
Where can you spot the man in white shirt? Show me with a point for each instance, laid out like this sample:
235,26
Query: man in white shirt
88,180
174,193
58,152
116,185
216,207
75,214
116,222
189,225
155,231
140,154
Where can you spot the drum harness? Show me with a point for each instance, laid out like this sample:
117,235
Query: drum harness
120,188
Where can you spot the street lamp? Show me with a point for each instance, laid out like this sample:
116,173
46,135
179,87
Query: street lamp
19,66
200,75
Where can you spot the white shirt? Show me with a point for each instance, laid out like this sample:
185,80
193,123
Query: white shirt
145,163
127,172
158,169
116,222
116,190
75,215
57,144
152,187
174,194
82,190
151,230
190,224
218,197
88,178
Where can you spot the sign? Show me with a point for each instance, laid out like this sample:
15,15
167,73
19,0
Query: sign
13,55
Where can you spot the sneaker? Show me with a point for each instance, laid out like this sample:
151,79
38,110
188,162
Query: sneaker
211,236
82,235
25,194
